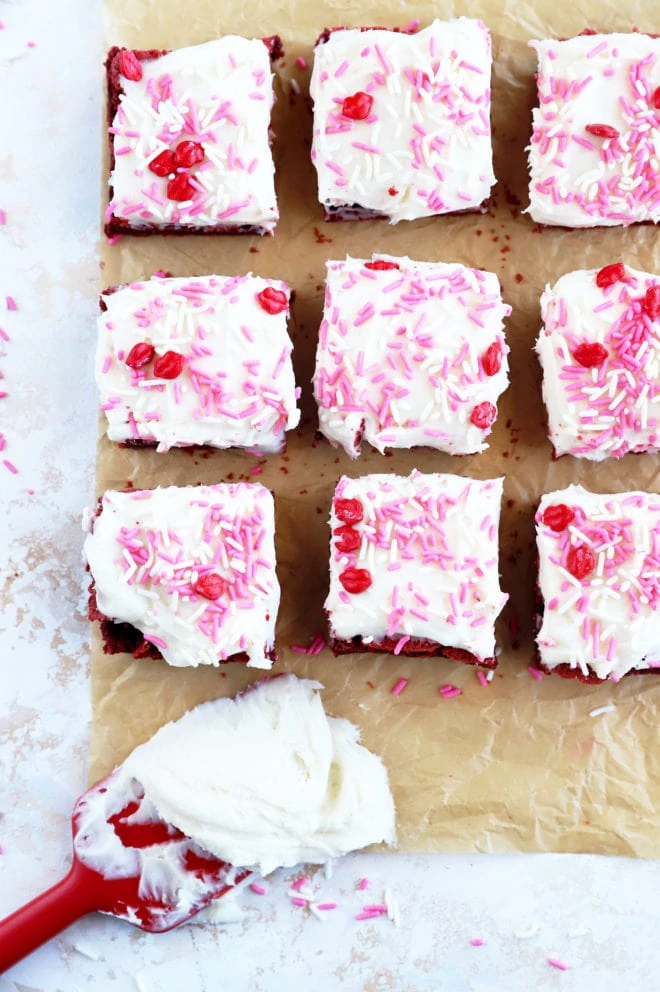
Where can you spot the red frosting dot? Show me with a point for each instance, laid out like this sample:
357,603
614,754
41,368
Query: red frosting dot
163,164
558,517
355,579
273,300
140,355
348,538
188,153
581,561
129,65
393,191
656,98
358,106
381,266
210,586
610,274
589,354
492,358
483,415
349,510
651,304
602,130
180,188
169,365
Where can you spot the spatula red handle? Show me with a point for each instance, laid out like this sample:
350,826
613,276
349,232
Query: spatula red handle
47,915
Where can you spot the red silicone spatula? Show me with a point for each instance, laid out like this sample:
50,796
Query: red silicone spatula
127,862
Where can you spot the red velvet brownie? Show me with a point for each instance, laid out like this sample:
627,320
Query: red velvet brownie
598,584
593,157
414,566
197,361
410,353
190,140
402,120
186,574
600,352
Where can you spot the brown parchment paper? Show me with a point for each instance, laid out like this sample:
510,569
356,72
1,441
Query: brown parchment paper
517,766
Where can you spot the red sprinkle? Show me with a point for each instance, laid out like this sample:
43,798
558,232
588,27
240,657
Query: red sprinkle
483,415
350,511
358,106
581,561
140,354
180,188
558,517
163,164
129,65
210,586
610,274
381,266
348,538
492,359
655,99
355,580
169,365
651,304
589,354
273,300
602,130
189,153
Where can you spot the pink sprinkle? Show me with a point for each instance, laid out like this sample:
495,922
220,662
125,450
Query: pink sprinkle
298,902
477,942
3,217
556,963
376,907
31,44
399,687
481,678
4,335
448,691
10,466
255,470
114,239
326,905
401,643
367,916
259,889
363,884
297,885
536,673
301,62
11,303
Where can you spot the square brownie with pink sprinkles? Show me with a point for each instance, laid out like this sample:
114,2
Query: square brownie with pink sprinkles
410,353
598,584
185,573
402,120
200,360
593,157
414,566
600,353
190,139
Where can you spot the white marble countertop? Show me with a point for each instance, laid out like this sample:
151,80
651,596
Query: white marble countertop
599,916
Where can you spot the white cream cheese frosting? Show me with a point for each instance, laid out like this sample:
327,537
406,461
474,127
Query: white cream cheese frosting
218,95
593,157
421,561
599,580
424,147
267,779
192,568
410,353
599,348
236,385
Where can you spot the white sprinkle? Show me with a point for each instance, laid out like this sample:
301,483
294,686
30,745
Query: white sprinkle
602,709
86,951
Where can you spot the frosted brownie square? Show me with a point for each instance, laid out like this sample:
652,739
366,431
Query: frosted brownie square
600,352
598,584
593,158
402,120
414,566
186,573
189,139
202,360
410,353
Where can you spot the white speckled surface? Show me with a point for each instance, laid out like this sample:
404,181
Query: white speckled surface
598,915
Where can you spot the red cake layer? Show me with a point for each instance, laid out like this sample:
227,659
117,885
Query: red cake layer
416,647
